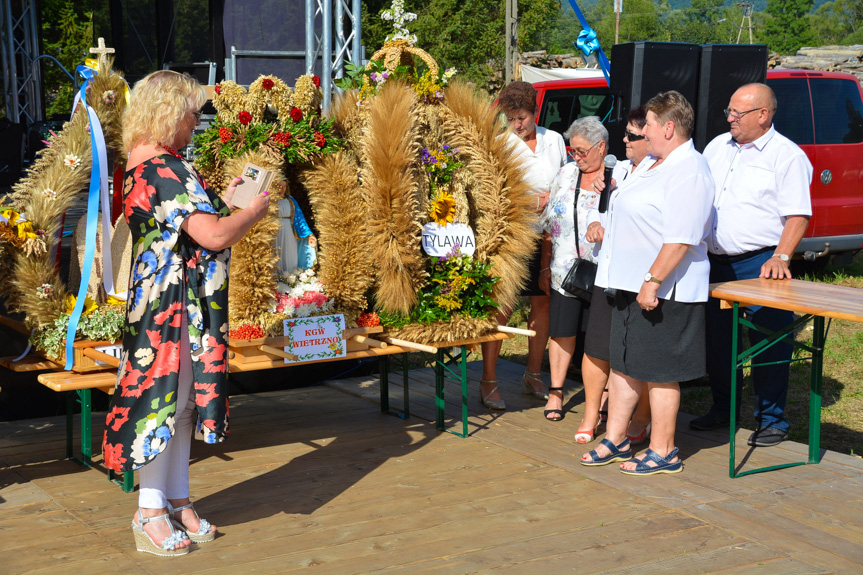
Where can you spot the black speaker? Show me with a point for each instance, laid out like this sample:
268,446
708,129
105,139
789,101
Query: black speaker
640,70
724,68
11,151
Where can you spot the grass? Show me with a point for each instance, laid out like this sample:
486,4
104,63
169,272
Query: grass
842,385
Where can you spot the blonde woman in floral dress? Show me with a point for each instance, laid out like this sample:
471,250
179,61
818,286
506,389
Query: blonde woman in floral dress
173,369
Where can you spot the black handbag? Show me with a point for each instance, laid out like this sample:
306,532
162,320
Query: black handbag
580,277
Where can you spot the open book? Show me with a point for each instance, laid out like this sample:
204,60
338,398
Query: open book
255,180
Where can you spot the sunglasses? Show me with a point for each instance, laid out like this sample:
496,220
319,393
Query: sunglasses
632,137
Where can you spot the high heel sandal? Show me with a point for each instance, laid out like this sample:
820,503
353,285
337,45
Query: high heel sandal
203,534
169,546
557,411
587,436
497,404
642,437
527,388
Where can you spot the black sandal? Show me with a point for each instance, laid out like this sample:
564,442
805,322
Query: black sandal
557,411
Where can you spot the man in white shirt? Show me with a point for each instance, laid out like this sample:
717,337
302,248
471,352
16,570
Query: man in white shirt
762,209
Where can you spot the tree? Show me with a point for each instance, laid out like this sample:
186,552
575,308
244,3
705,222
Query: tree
836,22
465,34
67,34
786,27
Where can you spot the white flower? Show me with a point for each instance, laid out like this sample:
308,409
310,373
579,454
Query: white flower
399,18
49,194
292,278
306,309
145,356
71,161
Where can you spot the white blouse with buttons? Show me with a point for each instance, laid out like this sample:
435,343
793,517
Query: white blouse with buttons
671,203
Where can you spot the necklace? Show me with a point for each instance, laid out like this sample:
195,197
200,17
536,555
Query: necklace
171,151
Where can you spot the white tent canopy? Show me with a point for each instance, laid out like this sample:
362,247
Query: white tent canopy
533,75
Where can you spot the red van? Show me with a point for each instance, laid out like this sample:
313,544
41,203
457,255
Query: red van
822,112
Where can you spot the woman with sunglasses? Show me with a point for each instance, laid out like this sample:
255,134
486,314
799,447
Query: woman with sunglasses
594,365
173,370
543,153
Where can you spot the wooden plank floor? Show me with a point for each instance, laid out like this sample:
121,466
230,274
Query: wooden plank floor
318,479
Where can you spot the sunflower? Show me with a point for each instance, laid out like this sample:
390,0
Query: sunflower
443,208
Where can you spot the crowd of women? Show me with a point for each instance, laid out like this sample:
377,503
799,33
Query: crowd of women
643,326
643,331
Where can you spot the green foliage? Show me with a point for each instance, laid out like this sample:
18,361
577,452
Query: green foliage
838,22
457,284
464,34
786,27
298,141
104,324
67,34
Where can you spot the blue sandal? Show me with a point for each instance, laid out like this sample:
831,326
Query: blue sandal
617,453
663,464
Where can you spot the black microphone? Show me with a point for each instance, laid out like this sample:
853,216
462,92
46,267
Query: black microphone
609,163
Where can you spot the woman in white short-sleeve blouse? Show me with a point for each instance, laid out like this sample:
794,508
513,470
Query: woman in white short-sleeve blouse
658,265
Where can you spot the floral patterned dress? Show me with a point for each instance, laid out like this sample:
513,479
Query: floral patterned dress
557,221
171,275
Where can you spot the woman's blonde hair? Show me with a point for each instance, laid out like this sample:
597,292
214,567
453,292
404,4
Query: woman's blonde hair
158,103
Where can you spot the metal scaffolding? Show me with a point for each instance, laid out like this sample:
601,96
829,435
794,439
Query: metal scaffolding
19,49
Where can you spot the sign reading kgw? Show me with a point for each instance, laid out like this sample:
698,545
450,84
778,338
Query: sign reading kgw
437,240
314,338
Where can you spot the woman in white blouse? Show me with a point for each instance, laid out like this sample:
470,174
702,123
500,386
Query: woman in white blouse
572,188
543,153
658,265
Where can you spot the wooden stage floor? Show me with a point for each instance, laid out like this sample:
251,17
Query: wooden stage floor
318,479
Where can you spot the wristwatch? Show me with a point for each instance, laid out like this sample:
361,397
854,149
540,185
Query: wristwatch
783,257
649,277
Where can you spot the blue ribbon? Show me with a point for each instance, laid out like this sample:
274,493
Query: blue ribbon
588,43
92,218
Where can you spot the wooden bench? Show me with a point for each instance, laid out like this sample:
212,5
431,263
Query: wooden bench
80,385
77,387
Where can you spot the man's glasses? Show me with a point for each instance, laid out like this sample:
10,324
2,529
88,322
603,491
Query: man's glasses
737,115
632,137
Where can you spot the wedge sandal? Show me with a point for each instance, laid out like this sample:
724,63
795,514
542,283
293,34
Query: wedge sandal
203,534
169,546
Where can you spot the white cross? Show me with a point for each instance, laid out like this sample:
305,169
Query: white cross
101,49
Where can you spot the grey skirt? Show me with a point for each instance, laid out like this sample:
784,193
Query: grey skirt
663,345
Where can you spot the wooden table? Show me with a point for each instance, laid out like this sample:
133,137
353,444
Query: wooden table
815,301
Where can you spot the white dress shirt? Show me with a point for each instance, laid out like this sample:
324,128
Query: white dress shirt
671,203
758,185
622,178
544,163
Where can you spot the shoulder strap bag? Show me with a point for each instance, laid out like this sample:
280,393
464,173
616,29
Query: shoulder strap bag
579,280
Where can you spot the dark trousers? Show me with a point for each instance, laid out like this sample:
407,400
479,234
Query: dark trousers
770,382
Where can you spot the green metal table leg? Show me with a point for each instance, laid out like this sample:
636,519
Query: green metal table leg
440,405
818,340
384,366
735,332
816,350
70,411
462,360
406,390
86,426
